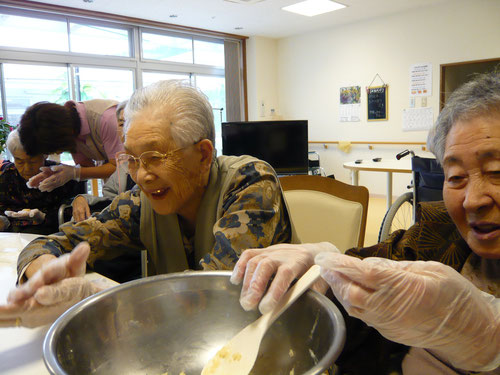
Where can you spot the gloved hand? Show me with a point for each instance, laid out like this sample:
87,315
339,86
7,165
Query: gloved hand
54,288
285,261
81,209
62,174
48,302
34,181
67,265
421,304
34,215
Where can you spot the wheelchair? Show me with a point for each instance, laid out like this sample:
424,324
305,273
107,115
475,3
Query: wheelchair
314,166
426,185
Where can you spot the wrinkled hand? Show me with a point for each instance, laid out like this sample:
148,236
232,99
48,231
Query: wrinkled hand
285,262
48,302
81,209
421,304
34,181
62,174
35,215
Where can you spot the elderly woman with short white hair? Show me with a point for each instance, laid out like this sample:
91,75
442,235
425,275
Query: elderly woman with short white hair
438,288
190,209
23,209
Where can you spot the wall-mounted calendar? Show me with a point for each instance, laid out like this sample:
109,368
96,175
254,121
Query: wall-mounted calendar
417,118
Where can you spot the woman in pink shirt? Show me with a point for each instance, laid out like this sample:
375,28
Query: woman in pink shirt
86,129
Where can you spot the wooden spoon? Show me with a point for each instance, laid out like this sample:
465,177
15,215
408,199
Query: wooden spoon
239,354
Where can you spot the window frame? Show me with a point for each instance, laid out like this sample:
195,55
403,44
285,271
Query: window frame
134,62
89,22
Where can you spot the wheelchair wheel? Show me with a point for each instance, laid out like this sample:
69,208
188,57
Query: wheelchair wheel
398,216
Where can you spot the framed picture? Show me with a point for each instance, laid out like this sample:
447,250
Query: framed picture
378,109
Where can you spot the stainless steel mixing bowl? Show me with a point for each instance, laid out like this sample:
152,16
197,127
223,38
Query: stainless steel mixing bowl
177,322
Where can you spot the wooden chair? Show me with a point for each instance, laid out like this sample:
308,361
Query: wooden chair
324,209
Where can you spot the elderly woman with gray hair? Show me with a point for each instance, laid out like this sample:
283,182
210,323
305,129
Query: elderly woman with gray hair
437,290
190,209
23,209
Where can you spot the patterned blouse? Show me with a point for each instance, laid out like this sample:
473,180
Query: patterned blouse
15,196
434,237
254,217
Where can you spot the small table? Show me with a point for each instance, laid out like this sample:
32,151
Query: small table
389,166
20,348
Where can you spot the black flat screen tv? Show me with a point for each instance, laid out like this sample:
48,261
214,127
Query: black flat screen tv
283,144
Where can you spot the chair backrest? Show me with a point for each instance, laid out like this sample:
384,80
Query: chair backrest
324,209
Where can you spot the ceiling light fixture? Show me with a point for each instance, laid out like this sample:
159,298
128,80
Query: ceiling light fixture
88,1
313,7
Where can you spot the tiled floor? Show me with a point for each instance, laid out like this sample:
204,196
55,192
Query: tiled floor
376,211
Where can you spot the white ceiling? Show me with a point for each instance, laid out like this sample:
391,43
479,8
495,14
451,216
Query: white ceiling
263,18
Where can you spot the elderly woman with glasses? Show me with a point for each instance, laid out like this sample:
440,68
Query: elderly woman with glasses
23,209
190,209
434,287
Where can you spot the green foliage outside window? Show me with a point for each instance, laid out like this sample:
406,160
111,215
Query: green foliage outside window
87,92
5,129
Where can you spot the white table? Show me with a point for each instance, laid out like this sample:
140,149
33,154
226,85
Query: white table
388,166
20,348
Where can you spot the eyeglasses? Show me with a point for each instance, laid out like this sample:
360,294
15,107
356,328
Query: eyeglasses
153,161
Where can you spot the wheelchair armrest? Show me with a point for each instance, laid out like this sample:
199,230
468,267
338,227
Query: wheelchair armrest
60,213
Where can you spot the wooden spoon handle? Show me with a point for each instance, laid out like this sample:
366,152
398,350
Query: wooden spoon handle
291,296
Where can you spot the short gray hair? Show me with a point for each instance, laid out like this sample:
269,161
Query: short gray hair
477,98
120,107
14,142
188,109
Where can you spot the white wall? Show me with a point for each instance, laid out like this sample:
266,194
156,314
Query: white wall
262,70
303,75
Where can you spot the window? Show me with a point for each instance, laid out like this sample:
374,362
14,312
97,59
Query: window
94,83
167,48
214,88
99,40
188,50
152,77
57,57
28,84
29,32
208,53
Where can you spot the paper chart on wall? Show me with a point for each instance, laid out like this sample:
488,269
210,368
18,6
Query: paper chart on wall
421,79
350,104
417,118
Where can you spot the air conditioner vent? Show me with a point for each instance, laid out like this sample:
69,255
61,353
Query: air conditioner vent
244,1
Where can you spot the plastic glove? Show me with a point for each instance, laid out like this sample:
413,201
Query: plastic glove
81,209
285,261
48,302
34,181
34,215
421,304
62,174
67,265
